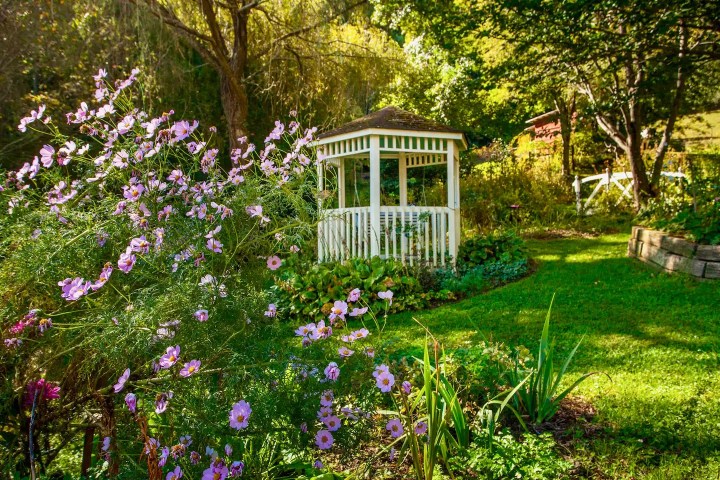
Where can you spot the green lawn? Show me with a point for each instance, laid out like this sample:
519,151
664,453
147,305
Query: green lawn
657,336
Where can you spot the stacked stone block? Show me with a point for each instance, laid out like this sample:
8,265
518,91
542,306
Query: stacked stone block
675,254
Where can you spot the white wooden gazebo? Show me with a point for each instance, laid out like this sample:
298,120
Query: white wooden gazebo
428,234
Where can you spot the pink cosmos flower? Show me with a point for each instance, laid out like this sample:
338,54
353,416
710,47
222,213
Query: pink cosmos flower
172,354
305,330
121,381
345,352
46,156
406,387
395,427
370,352
324,412
140,245
125,124
332,371
385,381
253,211
228,450
386,295
181,130
332,423
127,261
274,262
45,391
175,474
338,310
294,248
133,192
190,368
420,428
201,315
354,295
161,402
131,402
194,458
74,289
382,368
324,439
104,277
214,245
236,468
239,415
271,311
151,445
356,312
326,399
176,176
216,471
321,331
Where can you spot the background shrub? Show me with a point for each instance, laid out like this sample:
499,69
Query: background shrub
306,288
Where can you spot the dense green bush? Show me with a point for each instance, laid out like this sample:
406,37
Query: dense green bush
688,208
533,458
497,246
305,288
484,277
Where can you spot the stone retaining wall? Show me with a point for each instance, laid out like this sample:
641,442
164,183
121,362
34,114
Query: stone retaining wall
675,254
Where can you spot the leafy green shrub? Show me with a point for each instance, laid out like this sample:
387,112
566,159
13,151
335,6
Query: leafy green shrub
485,276
498,246
532,458
306,288
688,208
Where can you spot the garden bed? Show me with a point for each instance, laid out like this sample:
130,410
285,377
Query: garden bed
675,254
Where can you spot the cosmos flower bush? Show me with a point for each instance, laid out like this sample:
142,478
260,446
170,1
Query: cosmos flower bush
136,261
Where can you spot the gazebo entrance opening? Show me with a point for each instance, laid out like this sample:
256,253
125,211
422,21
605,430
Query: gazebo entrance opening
406,232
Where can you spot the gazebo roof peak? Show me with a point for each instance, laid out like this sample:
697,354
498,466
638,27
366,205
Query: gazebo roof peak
390,118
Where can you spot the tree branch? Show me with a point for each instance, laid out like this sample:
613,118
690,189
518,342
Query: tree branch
308,28
674,109
192,36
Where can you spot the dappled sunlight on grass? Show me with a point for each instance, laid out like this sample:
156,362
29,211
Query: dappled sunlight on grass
655,335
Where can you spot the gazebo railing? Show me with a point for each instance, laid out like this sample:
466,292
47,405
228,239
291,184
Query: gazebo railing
408,234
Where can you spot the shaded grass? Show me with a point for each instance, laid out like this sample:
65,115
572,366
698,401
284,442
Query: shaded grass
657,336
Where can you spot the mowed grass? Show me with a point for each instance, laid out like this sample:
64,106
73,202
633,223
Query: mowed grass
655,335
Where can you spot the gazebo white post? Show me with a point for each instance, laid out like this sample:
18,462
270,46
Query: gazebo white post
458,233
402,177
321,187
451,197
341,182
374,195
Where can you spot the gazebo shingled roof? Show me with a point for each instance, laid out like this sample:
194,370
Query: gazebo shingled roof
391,118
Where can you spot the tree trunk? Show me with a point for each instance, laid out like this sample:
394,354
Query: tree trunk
642,189
235,107
87,451
565,110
